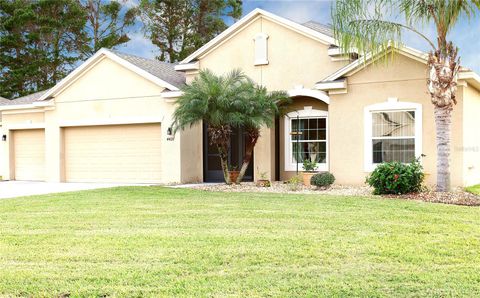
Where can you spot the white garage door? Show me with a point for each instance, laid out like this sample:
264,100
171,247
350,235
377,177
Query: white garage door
116,153
29,154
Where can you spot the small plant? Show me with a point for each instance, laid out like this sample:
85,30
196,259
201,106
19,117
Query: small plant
323,180
232,168
396,178
309,166
263,181
263,175
295,182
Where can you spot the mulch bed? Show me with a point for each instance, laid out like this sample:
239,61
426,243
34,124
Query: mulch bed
457,197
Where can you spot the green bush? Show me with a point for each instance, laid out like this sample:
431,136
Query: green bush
396,178
322,179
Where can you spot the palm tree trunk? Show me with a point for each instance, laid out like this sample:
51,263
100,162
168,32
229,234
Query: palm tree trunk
252,138
442,86
220,136
224,162
443,119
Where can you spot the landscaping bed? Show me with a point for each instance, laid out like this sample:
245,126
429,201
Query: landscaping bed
283,187
457,196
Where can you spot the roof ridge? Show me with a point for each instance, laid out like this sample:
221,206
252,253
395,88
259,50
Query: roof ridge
141,57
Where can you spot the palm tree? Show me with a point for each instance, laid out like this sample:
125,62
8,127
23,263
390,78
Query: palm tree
374,26
211,99
258,107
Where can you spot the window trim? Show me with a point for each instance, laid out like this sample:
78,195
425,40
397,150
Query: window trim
306,113
392,105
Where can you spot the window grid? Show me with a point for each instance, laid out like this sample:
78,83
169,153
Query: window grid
312,143
393,136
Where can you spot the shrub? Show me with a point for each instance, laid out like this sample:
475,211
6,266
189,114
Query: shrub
322,179
309,166
396,178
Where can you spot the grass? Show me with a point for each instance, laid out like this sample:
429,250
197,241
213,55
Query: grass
151,241
474,189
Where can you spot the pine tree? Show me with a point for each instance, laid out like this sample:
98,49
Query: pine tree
107,23
40,42
179,27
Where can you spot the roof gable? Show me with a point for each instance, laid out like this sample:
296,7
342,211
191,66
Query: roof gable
368,59
309,31
146,68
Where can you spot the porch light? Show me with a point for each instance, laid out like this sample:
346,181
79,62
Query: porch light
4,138
169,131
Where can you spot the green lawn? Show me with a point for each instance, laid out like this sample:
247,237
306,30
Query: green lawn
151,241
474,189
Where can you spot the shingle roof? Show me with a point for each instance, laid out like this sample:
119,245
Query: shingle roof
325,29
162,70
28,99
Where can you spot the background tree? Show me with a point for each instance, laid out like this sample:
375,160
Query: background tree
362,24
212,99
179,27
40,42
15,60
107,23
258,109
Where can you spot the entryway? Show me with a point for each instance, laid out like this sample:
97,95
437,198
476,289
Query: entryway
212,168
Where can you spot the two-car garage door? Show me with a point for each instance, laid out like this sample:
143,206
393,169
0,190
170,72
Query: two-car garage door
113,153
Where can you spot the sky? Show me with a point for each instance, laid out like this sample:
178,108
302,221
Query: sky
466,35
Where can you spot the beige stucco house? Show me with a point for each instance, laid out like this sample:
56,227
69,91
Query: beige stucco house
110,119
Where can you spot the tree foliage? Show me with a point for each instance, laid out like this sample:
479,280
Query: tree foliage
179,27
107,23
258,108
225,102
211,99
40,42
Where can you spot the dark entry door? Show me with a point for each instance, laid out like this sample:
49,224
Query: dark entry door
212,168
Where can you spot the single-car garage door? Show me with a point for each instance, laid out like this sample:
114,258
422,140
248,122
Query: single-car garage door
113,153
29,154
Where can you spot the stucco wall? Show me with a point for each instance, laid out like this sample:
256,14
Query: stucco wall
405,79
294,59
471,136
108,93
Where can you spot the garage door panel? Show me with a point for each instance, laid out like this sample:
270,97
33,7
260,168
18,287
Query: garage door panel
122,153
29,154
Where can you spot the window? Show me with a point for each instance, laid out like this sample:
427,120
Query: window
393,136
393,133
311,129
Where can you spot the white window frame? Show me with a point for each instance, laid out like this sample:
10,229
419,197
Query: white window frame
306,113
392,105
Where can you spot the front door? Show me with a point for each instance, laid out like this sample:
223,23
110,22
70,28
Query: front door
212,168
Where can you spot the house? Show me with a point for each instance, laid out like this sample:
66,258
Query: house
110,119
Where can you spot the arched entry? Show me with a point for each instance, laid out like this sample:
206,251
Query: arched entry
307,119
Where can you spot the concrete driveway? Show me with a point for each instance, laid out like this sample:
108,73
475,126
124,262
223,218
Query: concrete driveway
12,189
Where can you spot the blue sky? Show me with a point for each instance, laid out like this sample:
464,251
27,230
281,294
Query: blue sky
466,35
